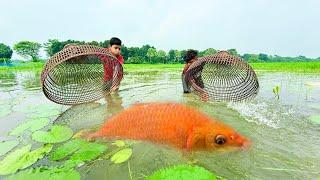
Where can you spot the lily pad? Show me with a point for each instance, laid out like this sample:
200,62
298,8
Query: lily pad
46,173
11,163
66,149
22,158
6,146
315,119
80,151
122,155
182,172
88,152
31,125
119,143
56,135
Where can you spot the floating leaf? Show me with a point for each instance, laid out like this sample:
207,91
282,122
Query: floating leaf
122,155
88,152
119,143
57,173
33,156
31,125
182,172
22,158
6,146
315,119
80,151
66,149
11,163
57,134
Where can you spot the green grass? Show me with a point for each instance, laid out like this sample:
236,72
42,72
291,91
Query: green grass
152,67
307,67
27,66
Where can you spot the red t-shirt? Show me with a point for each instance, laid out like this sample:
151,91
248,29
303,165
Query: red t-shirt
108,66
120,59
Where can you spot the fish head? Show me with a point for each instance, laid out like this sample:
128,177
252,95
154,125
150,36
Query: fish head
224,137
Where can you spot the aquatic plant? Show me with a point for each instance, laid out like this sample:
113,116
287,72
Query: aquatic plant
276,91
182,172
46,173
6,146
22,158
31,125
78,150
121,156
57,134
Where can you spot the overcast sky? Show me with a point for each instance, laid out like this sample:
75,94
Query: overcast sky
282,27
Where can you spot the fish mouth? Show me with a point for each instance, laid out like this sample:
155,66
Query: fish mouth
246,145
243,143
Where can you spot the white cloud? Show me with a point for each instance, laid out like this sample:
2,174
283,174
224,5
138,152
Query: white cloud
288,28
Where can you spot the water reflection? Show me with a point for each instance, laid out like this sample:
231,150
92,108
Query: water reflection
8,80
114,102
31,81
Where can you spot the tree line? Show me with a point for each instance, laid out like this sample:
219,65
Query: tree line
134,55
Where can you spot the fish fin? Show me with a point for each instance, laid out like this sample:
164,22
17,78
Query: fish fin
193,138
92,136
139,104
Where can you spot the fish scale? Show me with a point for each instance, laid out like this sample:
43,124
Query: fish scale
173,124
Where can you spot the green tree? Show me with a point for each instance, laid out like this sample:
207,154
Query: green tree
94,43
263,57
182,53
5,53
28,48
251,57
171,56
144,50
233,52
161,56
178,56
151,54
208,52
53,45
125,52
104,43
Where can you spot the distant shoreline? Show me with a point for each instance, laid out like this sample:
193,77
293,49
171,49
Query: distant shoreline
301,67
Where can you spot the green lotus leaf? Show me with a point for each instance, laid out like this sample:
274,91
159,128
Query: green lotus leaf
31,125
22,158
182,172
6,146
57,134
122,155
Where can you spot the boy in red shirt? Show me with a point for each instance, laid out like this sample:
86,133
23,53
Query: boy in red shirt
115,50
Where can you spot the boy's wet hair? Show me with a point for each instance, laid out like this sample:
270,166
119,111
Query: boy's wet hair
190,54
115,41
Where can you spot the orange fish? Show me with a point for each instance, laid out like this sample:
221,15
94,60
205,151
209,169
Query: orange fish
171,123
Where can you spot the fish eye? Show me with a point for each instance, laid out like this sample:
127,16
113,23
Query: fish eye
220,139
